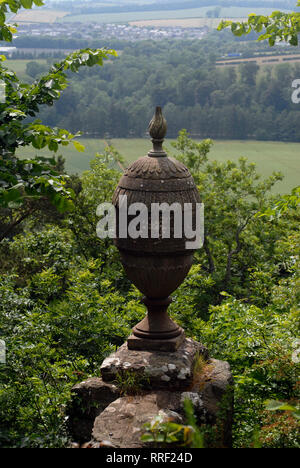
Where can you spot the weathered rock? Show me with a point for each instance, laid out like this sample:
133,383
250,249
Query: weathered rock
121,423
216,390
161,383
214,383
89,399
74,445
161,369
93,445
211,394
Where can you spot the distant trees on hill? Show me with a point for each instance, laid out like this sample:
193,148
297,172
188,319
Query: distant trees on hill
214,13
222,103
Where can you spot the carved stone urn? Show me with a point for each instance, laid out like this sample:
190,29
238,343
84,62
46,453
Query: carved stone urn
158,264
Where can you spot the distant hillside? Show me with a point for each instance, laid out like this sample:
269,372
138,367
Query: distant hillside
112,6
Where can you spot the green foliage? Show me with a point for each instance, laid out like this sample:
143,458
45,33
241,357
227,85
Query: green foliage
284,204
198,366
45,285
21,178
234,244
34,69
95,187
24,180
62,321
33,387
279,430
278,26
50,249
192,154
132,383
260,346
161,432
273,405
66,317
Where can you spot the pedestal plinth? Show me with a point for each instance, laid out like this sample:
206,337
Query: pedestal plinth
156,332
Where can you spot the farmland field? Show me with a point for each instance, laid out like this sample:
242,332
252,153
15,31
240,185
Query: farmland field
38,16
182,23
269,156
19,65
231,12
261,61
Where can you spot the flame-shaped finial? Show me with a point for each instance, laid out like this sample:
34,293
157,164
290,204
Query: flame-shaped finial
158,125
157,130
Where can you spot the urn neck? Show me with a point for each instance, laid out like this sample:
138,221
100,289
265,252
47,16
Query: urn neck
157,151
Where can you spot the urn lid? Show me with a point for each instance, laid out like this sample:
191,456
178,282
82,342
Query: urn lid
157,168
157,179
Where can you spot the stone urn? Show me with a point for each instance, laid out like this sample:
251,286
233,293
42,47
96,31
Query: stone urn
157,261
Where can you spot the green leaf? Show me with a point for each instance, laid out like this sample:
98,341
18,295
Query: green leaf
12,195
79,146
53,146
27,4
147,438
49,84
38,142
224,293
294,40
274,405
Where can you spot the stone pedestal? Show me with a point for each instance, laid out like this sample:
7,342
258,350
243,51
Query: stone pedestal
110,412
163,370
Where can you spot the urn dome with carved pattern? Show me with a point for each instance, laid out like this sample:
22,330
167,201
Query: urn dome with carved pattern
156,266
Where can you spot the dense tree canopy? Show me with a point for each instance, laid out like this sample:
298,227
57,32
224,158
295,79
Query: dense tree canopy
243,102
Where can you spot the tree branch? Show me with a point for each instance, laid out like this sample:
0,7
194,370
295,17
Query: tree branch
209,255
236,250
15,223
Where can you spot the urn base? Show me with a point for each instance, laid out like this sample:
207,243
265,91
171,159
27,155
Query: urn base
157,331
142,344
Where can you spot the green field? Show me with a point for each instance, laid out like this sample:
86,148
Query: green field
231,12
269,156
19,67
